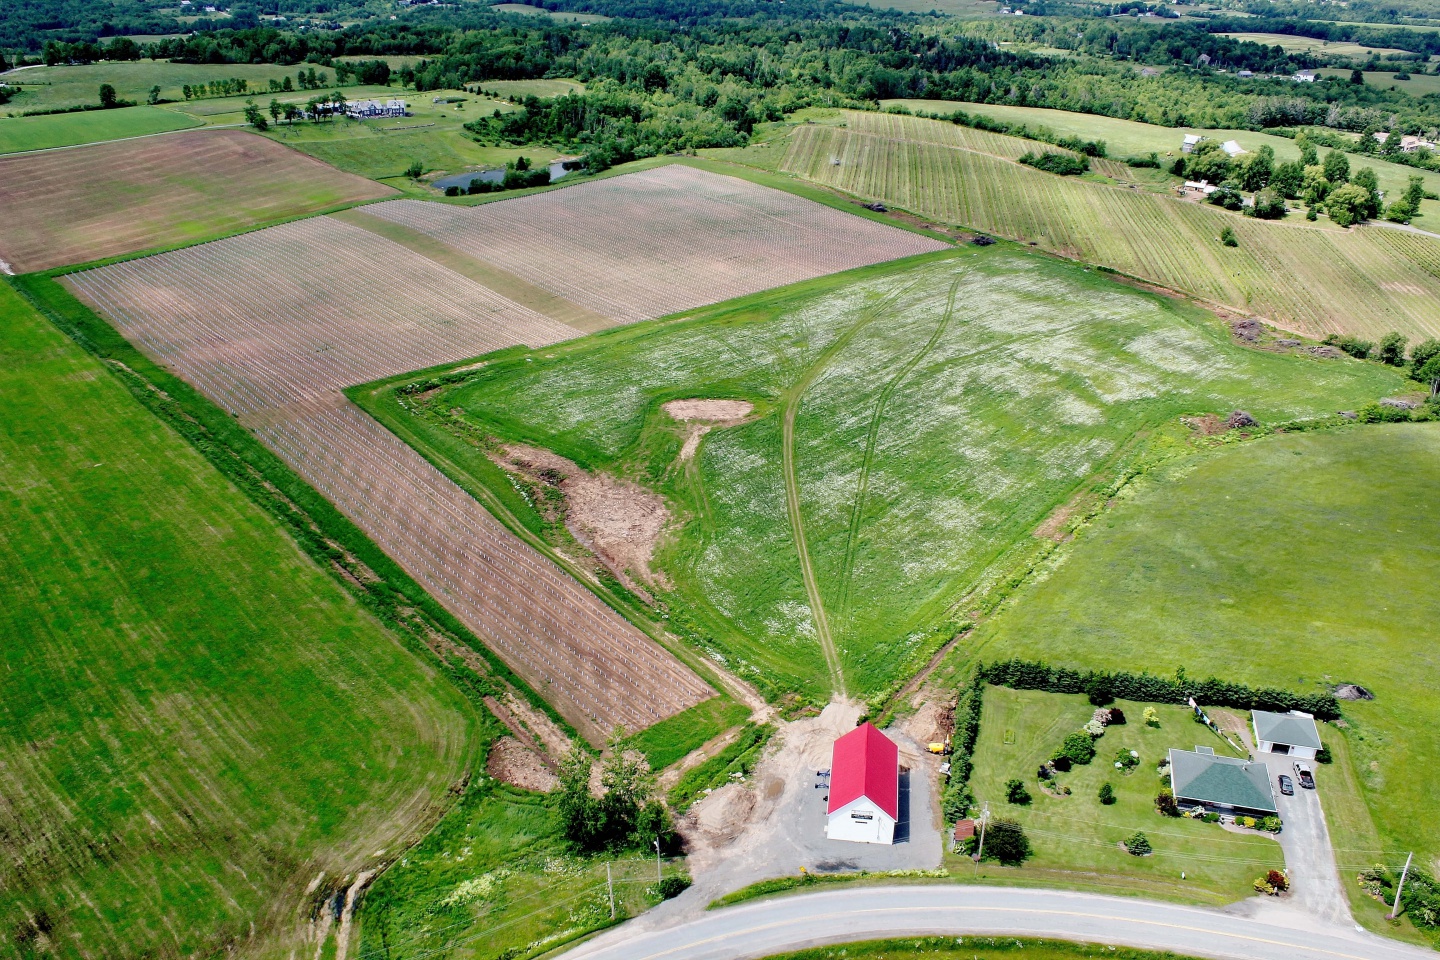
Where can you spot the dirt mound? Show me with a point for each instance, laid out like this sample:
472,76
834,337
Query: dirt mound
1240,419
512,762
1352,691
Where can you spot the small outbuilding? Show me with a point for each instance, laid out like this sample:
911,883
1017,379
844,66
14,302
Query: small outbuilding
1191,141
1221,784
1293,733
864,787
1233,149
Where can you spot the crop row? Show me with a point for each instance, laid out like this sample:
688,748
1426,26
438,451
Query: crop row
271,325
652,243
1317,280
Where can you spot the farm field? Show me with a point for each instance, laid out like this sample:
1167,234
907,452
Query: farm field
1293,44
738,238
1419,84
1366,281
73,206
70,129
1131,138
308,315
912,424
197,720
75,85
1075,835
529,10
517,89
1299,561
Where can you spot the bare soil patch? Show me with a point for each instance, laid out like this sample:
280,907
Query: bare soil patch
702,416
619,521
510,761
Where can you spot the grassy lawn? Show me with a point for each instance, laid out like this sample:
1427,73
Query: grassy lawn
70,86
1419,84
1299,561
1131,138
1078,835
935,412
494,876
528,10
671,739
196,720
517,89
72,129
971,948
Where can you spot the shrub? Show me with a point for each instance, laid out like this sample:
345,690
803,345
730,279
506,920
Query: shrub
1152,717
672,886
1079,748
1016,793
1107,794
1277,880
452,191
1245,821
1392,350
1210,818
1094,728
1117,717
957,798
1126,759
1231,199
1005,841
1165,803
1138,845
1098,690
1357,348
1062,164
1062,764
1269,824
1323,756
1227,237
1269,205
415,171
1381,413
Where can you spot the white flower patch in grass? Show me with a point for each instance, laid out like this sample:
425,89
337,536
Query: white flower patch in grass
482,887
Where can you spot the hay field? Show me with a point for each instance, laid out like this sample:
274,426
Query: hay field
272,325
70,129
1363,281
196,720
82,204
1324,48
913,422
655,242
1300,561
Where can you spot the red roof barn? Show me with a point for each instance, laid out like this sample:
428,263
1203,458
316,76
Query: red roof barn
864,787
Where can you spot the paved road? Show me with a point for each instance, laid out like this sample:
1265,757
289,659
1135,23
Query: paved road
859,913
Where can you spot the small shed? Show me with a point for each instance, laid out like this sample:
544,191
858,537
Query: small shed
864,787
1192,140
1221,784
1293,733
1232,148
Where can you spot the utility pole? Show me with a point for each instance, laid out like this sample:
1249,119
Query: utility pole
980,852
1395,911
657,859
610,882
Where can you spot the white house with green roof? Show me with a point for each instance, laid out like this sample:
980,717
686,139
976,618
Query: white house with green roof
1293,733
1221,784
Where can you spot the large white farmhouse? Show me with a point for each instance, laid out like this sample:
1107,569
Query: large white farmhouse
864,787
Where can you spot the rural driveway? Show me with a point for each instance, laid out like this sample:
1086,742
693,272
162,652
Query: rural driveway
860,913
1309,859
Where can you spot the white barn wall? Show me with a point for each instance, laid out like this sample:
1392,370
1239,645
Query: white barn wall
880,828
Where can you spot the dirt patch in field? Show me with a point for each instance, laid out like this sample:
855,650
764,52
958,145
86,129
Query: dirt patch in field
1209,425
510,761
554,741
702,416
618,521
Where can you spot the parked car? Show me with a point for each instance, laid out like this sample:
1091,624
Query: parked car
1307,779
1287,786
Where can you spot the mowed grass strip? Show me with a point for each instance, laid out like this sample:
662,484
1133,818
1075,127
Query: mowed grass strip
1296,561
74,206
1314,280
18,134
196,721
955,400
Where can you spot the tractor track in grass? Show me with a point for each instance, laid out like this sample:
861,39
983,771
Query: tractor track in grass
790,405
847,564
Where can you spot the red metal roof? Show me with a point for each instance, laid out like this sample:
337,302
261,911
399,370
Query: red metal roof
866,763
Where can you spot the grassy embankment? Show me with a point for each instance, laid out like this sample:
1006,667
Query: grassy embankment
1365,281
1075,837
197,719
972,948
941,408
1301,561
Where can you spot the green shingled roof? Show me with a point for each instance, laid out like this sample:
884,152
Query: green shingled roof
1297,731
1224,781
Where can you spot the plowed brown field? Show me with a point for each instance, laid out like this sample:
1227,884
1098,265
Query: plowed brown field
273,324
75,205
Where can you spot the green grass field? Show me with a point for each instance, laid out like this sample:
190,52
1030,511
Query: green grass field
1322,48
533,11
1132,138
1076,836
914,422
971,948
531,88
1299,561
1419,84
1366,281
197,721
670,740
496,876
73,129
71,86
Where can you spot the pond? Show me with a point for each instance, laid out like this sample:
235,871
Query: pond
558,168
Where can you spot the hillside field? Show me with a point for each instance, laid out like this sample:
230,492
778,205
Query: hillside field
74,206
197,721
1365,281
1302,561
912,424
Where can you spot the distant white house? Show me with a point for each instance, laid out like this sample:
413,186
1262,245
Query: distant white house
1304,76
1201,186
367,109
1192,140
864,787
1293,733
1231,148
1245,74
